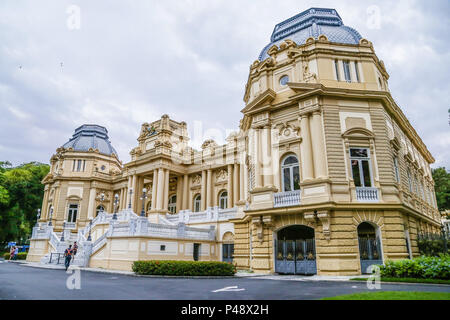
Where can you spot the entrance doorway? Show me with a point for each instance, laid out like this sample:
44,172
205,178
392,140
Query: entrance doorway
227,252
295,251
369,246
196,251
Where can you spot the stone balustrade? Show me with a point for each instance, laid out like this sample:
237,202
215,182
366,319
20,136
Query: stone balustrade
366,194
212,214
286,199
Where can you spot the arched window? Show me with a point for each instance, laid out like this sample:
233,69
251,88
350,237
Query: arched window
173,204
99,208
223,200
290,174
197,203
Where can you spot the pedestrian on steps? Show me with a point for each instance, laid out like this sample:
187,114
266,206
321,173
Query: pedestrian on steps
74,250
67,256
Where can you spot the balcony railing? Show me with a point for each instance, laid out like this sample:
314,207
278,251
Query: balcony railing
365,194
286,199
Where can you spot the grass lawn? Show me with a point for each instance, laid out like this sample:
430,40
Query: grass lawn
409,280
393,295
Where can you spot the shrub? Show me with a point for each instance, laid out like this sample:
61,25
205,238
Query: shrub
422,267
20,256
183,268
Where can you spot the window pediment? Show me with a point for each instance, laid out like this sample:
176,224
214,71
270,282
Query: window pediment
358,133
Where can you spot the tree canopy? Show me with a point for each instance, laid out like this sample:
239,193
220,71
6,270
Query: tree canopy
442,188
21,194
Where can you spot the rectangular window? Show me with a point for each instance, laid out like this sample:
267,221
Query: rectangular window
357,71
73,167
347,71
162,247
79,165
409,181
73,211
336,66
397,175
360,162
84,165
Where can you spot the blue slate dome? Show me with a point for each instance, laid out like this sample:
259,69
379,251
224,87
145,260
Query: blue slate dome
312,23
91,136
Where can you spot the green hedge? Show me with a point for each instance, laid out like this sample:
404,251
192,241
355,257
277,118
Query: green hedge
20,256
422,267
183,268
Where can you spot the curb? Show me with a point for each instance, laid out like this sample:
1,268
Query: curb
406,283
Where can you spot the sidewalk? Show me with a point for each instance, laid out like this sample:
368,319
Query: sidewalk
238,274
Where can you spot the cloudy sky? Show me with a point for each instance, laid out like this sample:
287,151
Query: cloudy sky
129,62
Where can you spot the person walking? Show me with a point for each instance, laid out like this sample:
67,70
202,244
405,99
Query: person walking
67,256
11,253
74,250
16,252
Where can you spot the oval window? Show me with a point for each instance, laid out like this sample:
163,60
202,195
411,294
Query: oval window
284,80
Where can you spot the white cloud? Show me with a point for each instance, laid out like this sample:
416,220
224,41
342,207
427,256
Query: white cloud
131,62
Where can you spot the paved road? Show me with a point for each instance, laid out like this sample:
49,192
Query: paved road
22,282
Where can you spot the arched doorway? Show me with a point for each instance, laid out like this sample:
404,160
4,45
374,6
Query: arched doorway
369,246
295,250
228,247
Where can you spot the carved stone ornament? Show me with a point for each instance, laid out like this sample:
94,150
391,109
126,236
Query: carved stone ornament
221,175
197,179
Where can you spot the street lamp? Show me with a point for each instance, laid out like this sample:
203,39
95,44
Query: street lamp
38,216
444,238
144,196
51,216
62,233
129,203
102,198
90,227
116,201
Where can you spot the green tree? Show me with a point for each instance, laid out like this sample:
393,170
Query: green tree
21,193
442,187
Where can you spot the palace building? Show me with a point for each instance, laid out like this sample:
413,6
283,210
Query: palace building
325,174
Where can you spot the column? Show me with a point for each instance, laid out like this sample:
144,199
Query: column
203,191
139,187
306,149
258,177
209,188
44,213
130,185
235,184
185,192
241,182
230,186
266,159
154,188
160,189
166,190
91,205
319,156
179,192
134,195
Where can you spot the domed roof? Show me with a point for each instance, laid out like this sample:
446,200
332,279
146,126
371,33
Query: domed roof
91,136
312,23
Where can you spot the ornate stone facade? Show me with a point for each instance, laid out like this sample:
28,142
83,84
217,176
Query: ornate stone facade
321,145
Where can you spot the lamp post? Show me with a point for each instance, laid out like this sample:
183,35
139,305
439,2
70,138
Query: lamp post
38,216
144,196
51,216
444,238
62,233
102,198
116,201
90,227
129,203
